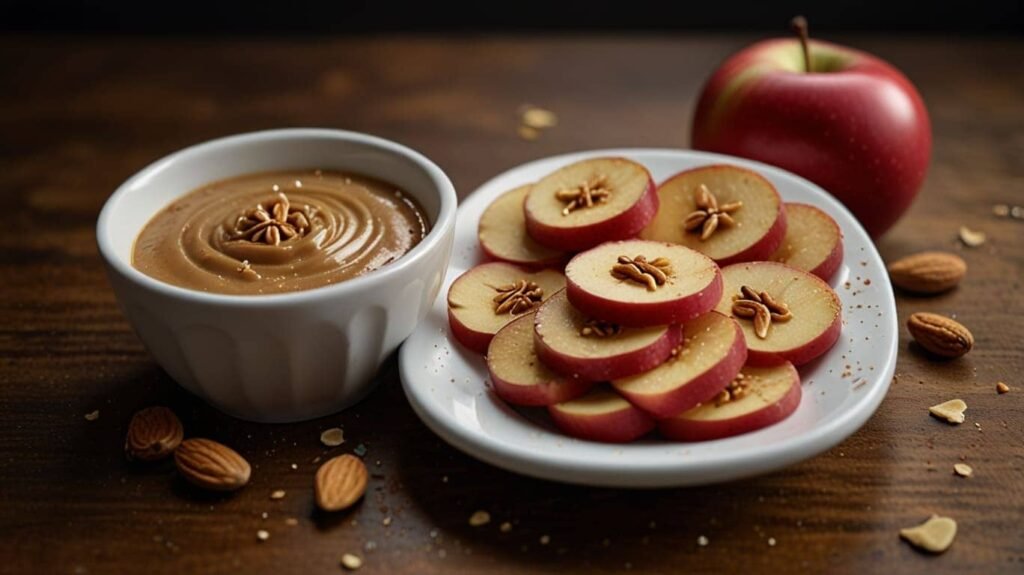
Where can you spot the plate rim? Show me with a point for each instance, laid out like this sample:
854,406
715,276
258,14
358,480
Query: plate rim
683,471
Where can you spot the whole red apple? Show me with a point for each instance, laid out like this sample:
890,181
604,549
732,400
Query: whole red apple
853,124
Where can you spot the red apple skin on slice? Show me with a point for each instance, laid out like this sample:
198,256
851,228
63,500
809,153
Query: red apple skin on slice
471,306
503,237
817,312
760,222
813,241
631,205
712,353
694,285
601,415
561,346
518,375
773,395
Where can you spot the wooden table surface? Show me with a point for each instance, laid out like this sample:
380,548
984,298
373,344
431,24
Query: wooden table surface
78,116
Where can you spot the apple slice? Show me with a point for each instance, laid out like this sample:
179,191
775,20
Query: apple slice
712,353
589,202
757,398
813,241
739,219
579,347
772,338
639,283
488,296
601,415
502,233
518,375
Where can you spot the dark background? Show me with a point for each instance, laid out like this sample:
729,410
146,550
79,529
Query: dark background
986,17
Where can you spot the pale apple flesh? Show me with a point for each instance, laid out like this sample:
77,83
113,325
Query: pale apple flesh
563,345
502,233
518,376
601,415
772,394
630,204
816,312
692,286
472,313
855,125
712,353
760,222
813,242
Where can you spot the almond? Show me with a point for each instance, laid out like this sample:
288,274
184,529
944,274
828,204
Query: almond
211,465
934,535
340,482
153,433
940,335
928,272
951,411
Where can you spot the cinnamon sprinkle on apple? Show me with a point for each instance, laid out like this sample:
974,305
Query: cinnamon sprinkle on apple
709,216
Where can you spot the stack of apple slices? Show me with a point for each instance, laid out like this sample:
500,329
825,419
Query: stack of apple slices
644,330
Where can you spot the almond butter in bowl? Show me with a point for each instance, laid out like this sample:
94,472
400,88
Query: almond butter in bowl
279,232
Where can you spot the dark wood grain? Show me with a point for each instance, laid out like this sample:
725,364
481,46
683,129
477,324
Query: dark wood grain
80,116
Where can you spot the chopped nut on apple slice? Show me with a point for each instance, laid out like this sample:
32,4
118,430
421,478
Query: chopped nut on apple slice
641,283
754,231
590,202
485,298
566,342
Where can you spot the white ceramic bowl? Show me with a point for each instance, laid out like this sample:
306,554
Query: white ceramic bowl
283,357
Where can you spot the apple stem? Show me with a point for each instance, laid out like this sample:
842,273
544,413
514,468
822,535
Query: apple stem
799,25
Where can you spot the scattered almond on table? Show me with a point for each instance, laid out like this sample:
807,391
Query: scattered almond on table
92,415
963,470
951,411
340,482
351,562
479,518
332,437
1002,388
1005,211
934,535
277,494
971,238
940,335
211,465
928,272
538,118
153,433
533,120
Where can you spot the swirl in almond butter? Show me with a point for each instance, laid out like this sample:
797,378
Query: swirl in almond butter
279,232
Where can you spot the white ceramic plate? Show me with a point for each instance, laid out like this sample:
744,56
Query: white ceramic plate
448,385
